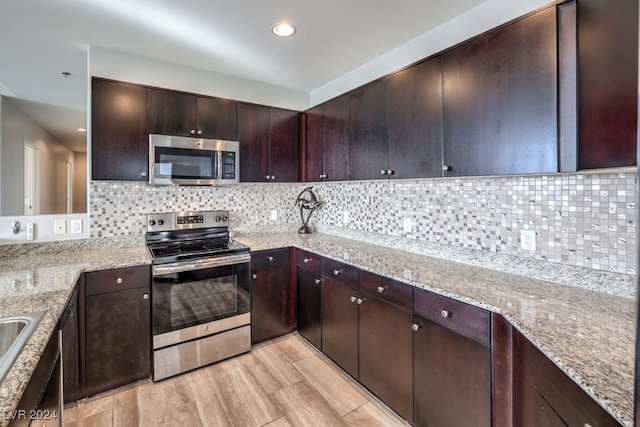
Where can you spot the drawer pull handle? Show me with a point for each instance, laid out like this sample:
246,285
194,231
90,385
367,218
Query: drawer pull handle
381,289
353,299
255,276
206,328
119,280
143,174
318,281
145,295
360,301
446,168
445,313
307,260
336,272
270,258
416,326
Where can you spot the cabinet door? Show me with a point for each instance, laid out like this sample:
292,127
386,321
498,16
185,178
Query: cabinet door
119,131
340,325
542,392
386,354
314,144
415,120
607,82
452,378
171,113
368,142
118,339
308,306
283,142
270,303
336,139
253,134
216,118
500,100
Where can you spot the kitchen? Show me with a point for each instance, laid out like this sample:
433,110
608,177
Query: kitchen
584,223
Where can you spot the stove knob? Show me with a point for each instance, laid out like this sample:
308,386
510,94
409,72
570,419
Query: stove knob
152,223
224,218
161,222
218,218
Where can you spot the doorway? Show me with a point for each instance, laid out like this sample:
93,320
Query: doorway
31,179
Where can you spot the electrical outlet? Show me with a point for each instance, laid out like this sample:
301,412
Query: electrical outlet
30,229
76,226
345,217
274,215
407,225
528,240
60,226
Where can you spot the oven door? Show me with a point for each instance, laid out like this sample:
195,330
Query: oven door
197,298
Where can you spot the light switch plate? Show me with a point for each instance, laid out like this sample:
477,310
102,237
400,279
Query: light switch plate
60,226
407,226
345,217
274,215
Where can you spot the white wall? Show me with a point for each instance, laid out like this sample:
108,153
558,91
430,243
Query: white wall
137,69
16,126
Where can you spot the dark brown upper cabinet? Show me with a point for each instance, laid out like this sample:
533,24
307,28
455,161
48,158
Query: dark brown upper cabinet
414,121
326,154
183,114
368,137
119,131
500,100
607,82
268,143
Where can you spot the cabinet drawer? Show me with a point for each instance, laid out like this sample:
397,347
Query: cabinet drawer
461,318
119,279
388,290
270,257
308,261
340,272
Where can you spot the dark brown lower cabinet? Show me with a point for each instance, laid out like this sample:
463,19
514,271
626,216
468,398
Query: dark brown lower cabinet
340,324
386,358
308,306
546,396
117,328
451,362
270,303
452,378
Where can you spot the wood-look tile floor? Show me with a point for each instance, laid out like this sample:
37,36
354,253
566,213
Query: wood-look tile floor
285,382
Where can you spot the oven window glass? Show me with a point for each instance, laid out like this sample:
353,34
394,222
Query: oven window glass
181,300
184,163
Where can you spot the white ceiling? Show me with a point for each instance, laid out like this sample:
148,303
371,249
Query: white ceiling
39,39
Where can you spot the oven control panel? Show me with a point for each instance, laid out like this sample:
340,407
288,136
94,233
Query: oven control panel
186,220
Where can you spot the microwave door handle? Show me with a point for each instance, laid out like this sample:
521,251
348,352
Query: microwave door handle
219,171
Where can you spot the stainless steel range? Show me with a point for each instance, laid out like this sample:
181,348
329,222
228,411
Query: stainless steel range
200,291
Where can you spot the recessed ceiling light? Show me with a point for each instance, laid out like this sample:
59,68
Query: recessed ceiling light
283,30
81,130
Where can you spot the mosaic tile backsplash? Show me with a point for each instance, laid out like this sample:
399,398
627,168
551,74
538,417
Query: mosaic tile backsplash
579,219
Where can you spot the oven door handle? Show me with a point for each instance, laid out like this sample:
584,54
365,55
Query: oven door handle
179,267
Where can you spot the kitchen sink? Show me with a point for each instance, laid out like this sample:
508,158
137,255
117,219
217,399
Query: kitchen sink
14,333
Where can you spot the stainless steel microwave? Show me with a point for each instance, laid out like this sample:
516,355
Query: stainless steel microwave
178,160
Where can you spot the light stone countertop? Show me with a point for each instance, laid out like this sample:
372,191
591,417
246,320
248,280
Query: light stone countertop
590,335
44,279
